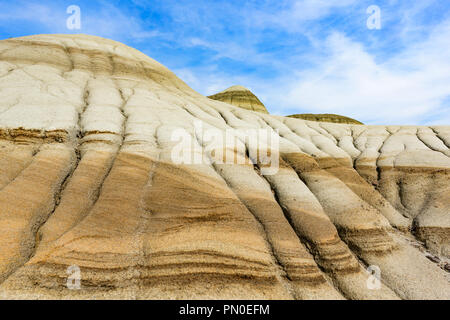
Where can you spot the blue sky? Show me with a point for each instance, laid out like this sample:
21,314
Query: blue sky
298,56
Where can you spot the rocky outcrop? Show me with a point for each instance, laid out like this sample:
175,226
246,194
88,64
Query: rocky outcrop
325,117
88,182
240,96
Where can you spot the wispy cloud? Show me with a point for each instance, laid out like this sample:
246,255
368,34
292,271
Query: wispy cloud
25,14
407,88
102,19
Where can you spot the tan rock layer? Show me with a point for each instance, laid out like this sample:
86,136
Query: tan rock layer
242,98
325,117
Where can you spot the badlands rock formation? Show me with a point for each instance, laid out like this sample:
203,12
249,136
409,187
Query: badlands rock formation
325,117
240,96
88,182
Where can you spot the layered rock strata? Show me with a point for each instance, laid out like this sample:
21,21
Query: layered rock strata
240,96
89,180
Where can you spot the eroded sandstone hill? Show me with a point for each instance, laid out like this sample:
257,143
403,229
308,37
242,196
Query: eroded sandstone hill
240,96
325,117
87,180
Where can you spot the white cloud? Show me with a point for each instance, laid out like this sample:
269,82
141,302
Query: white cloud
106,20
339,74
295,15
51,17
314,9
231,50
410,87
116,23
407,88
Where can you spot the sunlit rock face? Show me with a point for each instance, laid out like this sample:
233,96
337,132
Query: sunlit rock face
240,96
325,117
89,182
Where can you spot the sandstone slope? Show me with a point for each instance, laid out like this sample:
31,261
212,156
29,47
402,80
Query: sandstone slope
325,117
240,96
87,179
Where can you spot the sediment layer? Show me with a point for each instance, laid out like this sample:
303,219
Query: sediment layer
90,133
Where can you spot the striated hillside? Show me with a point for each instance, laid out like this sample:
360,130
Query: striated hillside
240,96
88,179
325,117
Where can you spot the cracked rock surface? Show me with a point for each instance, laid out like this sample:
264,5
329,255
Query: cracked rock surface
87,179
